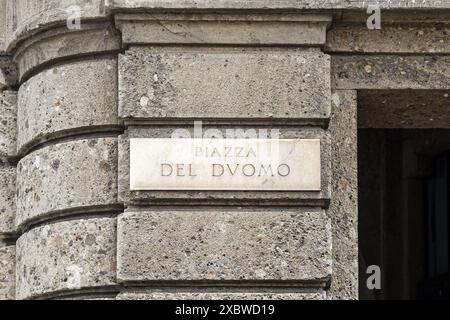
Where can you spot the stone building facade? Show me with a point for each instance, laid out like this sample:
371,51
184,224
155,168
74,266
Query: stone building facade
74,92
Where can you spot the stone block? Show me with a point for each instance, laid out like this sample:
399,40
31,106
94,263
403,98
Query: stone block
383,72
221,294
57,43
404,109
402,39
243,84
7,198
343,209
256,29
8,123
29,16
65,256
274,4
225,245
3,13
73,176
214,197
76,97
7,272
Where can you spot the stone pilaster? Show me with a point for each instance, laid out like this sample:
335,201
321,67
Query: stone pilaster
62,136
8,110
230,71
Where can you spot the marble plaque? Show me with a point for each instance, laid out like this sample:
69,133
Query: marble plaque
225,164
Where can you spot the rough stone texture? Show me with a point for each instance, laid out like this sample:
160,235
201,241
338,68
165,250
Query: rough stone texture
277,4
343,209
225,29
320,198
390,72
3,32
7,273
7,198
31,16
69,255
3,85
8,123
8,71
404,109
77,96
57,43
220,294
93,297
237,83
76,175
235,245
404,38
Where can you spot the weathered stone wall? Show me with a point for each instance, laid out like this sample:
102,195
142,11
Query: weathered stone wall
70,100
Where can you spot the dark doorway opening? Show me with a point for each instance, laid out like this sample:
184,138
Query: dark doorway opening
404,192
404,212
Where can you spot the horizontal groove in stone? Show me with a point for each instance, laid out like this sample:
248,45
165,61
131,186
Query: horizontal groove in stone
49,179
219,200
8,239
100,293
81,213
64,60
227,284
250,121
208,207
63,136
221,293
60,44
34,27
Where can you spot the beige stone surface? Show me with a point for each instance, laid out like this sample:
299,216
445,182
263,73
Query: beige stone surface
30,16
235,83
404,109
63,43
7,272
276,4
78,97
78,175
215,245
65,256
220,294
391,38
7,198
343,210
224,29
8,123
395,72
